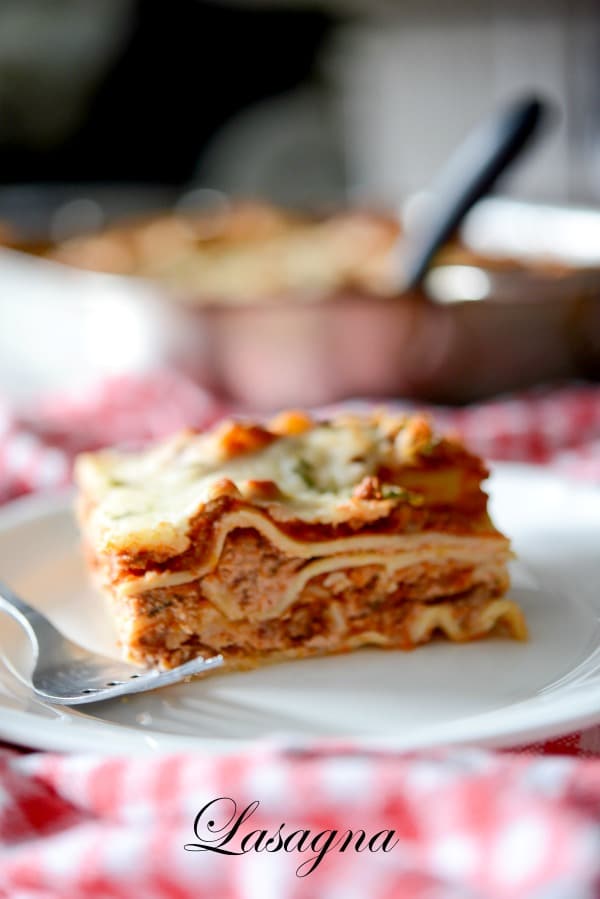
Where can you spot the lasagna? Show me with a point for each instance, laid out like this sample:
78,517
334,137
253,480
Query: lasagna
247,251
299,537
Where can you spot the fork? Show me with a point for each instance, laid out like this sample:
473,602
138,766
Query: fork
65,673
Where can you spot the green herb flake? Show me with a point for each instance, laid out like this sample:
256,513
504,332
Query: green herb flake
305,471
430,446
392,491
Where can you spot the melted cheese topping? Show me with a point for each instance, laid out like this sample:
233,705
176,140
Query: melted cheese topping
145,501
247,252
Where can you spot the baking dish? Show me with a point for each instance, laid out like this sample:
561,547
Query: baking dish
512,304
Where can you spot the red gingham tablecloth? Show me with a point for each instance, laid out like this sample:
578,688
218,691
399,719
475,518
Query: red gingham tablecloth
466,823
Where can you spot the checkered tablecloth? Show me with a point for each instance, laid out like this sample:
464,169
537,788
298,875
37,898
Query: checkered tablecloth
467,823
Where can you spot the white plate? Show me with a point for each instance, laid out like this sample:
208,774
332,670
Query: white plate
494,692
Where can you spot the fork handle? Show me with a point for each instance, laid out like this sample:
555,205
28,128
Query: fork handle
24,614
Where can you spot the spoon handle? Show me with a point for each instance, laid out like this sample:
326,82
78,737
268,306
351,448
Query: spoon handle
468,175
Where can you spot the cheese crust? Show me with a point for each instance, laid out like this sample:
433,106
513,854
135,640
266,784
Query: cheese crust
247,251
294,538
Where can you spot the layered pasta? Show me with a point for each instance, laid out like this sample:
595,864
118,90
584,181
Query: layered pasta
299,537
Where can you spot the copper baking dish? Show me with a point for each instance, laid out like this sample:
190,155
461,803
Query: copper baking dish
270,308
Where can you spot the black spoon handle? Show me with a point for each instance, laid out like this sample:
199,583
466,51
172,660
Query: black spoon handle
468,175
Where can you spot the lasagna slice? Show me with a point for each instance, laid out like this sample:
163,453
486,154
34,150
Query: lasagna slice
296,538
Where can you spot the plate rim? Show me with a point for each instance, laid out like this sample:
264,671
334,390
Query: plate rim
511,726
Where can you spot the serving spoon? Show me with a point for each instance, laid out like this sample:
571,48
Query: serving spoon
470,173
65,673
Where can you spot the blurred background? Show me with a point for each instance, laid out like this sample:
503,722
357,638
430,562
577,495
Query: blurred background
125,107
363,98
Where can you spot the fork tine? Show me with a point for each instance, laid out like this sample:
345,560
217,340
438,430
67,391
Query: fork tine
67,674
54,685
